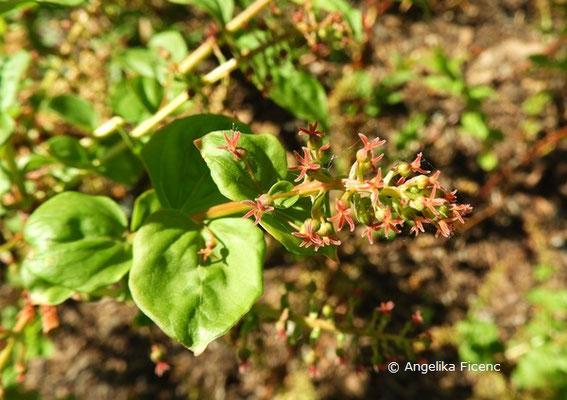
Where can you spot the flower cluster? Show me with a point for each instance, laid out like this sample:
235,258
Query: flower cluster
406,195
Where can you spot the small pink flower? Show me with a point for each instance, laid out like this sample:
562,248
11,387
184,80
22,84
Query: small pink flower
343,214
208,250
386,307
374,185
443,228
161,368
418,225
311,131
258,207
415,165
231,143
434,180
329,240
305,163
310,238
459,210
431,202
369,231
369,146
417,318
390,223
313,371
451,197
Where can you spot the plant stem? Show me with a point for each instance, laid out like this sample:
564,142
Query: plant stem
187,65
6,352
16,173
10,244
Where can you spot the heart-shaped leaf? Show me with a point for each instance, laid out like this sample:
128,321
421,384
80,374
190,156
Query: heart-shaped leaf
262,165
192,300
180,177
78,242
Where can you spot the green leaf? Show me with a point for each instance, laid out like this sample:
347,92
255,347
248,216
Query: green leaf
480,92
352,15
144,62
487,160
265,157
179,175
75,110
7,126
5,181
473,123
172,41
553,300
69,151
144,206
42,292
301,93
78,242
12,69
283,187
535,104
277,224
191,301
219,9
127,103
125,167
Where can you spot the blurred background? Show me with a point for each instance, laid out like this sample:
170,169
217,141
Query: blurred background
478,86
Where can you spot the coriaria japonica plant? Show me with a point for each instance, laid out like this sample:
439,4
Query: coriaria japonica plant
194,250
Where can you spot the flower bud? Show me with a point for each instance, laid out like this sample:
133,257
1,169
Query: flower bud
361,156
422,181
325,229
403,169
327,311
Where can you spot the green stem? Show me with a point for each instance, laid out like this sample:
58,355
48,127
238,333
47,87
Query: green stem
16,173
10,244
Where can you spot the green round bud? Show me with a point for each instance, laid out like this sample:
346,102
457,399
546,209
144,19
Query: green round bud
361,155
327,311
417,204
422,181
403,169
325,229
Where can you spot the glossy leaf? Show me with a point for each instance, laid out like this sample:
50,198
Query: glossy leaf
179,175
125,167
75,110
301,93
280,188
12,69
7,126
144,206
265,157
172,41
42,292
143,62
219,9
193,301
78,242
69,151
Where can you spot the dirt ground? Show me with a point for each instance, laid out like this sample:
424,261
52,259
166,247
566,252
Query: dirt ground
518,223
